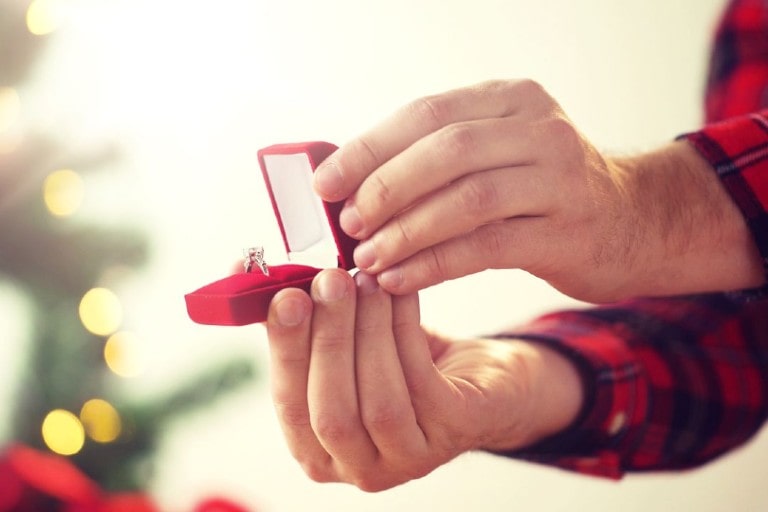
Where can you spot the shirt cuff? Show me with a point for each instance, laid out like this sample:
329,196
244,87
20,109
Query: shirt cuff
614,413
737,149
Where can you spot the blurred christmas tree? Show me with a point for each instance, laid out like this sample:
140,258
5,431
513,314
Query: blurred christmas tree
75,353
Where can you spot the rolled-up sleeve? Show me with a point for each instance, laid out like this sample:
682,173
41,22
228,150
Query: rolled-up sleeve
670,383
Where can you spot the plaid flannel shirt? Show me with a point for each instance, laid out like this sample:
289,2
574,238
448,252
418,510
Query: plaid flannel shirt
672,383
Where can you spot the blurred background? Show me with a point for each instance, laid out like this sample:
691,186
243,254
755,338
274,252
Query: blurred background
128,177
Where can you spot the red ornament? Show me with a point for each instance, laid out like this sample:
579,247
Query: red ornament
34,481
219,505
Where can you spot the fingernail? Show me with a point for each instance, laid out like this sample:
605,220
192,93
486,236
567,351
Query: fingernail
366,283
328,180
392,278
331,287
350,220
365,255
291,312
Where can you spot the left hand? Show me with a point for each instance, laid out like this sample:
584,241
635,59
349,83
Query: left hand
364,395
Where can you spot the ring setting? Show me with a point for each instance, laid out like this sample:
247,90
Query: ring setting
254,256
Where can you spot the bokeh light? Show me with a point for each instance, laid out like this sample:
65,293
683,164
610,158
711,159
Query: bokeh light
101,420
43,16
10,107
63,433
122,354
63,192
101,312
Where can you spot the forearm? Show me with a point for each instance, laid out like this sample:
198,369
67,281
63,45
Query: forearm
668,382
689,234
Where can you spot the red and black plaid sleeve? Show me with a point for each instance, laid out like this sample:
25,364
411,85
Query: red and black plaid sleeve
735,140
737,148
672,383
738,70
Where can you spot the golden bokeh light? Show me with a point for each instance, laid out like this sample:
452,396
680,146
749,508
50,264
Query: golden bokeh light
122,354
101,312
101,421
10,107
43,16
63,433
63,192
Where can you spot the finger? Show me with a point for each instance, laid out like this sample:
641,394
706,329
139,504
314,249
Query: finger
332,389
453,211
426,386
513,243
435,161
385,405
288,329
340,174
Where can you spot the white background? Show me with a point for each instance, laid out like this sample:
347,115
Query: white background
192,89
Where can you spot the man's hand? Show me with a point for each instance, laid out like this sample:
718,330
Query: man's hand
496,176
364,395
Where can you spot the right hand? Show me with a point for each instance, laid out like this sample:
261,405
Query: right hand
497,176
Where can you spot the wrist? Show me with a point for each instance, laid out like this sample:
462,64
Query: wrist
549,401
688,234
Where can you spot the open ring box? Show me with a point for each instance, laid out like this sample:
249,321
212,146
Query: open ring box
310,229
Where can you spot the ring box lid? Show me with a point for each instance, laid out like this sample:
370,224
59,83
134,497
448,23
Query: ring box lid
311,233
309,226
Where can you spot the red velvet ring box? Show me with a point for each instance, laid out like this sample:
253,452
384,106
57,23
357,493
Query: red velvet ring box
310,229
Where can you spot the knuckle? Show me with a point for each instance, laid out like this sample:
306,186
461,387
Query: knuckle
330,342
381,189
382,418
369,328
536,99
366,152
332,429
493,86
562,131
503,90
476,196
527,86
371,478
375,479
437,265
370,483
432,111
292,414
405,229
292,359
318,472
455,141
491,241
